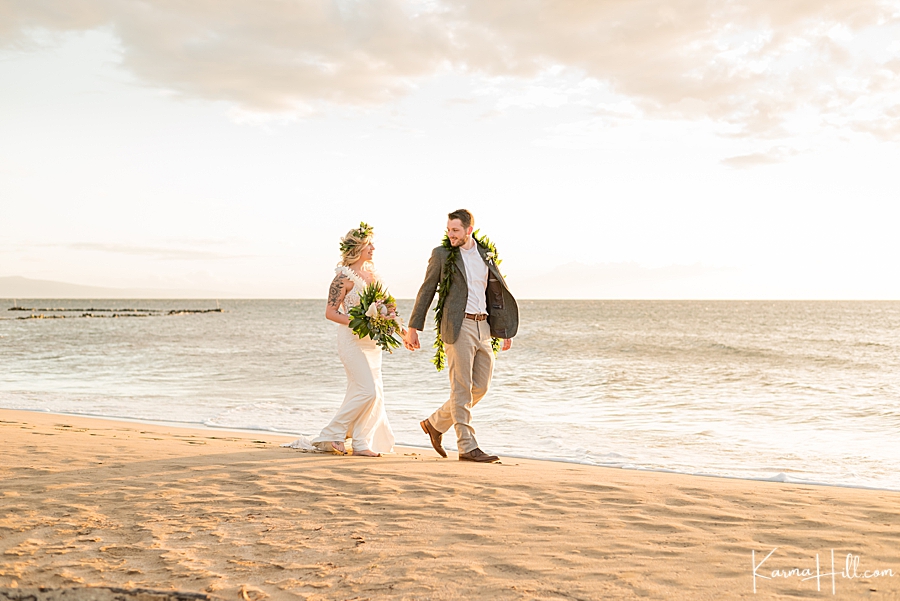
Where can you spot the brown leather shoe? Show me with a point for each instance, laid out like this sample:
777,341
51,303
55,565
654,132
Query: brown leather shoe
435,437
478,455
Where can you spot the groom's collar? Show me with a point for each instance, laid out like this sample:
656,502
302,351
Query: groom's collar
482,251
474,243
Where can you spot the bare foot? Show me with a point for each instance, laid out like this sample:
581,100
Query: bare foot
338,447
366,453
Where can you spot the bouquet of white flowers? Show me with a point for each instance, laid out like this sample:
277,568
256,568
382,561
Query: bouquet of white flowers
376,317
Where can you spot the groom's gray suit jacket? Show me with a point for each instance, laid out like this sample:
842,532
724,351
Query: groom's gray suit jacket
503,312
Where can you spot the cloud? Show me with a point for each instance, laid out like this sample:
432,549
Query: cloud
168,254
535,97
748,64
743,63
756,159
262,55
460,101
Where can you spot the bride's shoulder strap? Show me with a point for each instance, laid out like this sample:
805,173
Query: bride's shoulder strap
346,271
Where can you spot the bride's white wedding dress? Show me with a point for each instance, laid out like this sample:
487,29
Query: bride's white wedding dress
361,416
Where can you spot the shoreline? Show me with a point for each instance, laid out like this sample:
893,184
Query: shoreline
92,502
779,478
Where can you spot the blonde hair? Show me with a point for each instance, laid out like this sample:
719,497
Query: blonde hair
354,242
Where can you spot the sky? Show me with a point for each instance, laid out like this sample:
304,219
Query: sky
620,149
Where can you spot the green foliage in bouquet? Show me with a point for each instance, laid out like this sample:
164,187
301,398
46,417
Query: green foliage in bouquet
376,317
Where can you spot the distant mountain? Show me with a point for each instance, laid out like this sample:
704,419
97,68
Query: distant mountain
15,287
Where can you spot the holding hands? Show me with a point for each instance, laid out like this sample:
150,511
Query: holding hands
411,341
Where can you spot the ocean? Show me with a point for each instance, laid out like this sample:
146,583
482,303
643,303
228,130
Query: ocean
791,391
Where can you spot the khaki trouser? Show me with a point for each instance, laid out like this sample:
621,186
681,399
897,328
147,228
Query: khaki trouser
470,362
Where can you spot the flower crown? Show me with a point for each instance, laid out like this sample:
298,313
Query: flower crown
363,232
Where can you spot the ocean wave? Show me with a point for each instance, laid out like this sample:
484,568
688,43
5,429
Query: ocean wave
755,390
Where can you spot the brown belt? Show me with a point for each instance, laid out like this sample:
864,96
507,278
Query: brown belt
476,316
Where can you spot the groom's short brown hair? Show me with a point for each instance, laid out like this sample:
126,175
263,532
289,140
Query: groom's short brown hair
464,217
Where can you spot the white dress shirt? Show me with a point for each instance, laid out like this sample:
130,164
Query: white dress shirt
477,278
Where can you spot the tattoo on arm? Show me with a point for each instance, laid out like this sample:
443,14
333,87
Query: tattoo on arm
336,290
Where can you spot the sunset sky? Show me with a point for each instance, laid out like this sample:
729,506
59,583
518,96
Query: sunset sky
617,149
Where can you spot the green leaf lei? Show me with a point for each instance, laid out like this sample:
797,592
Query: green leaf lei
440,356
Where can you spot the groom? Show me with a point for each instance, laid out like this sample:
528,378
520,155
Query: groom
478,305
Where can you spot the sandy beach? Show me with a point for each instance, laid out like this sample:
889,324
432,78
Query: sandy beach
90,502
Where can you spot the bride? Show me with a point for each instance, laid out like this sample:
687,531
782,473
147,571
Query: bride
361,417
